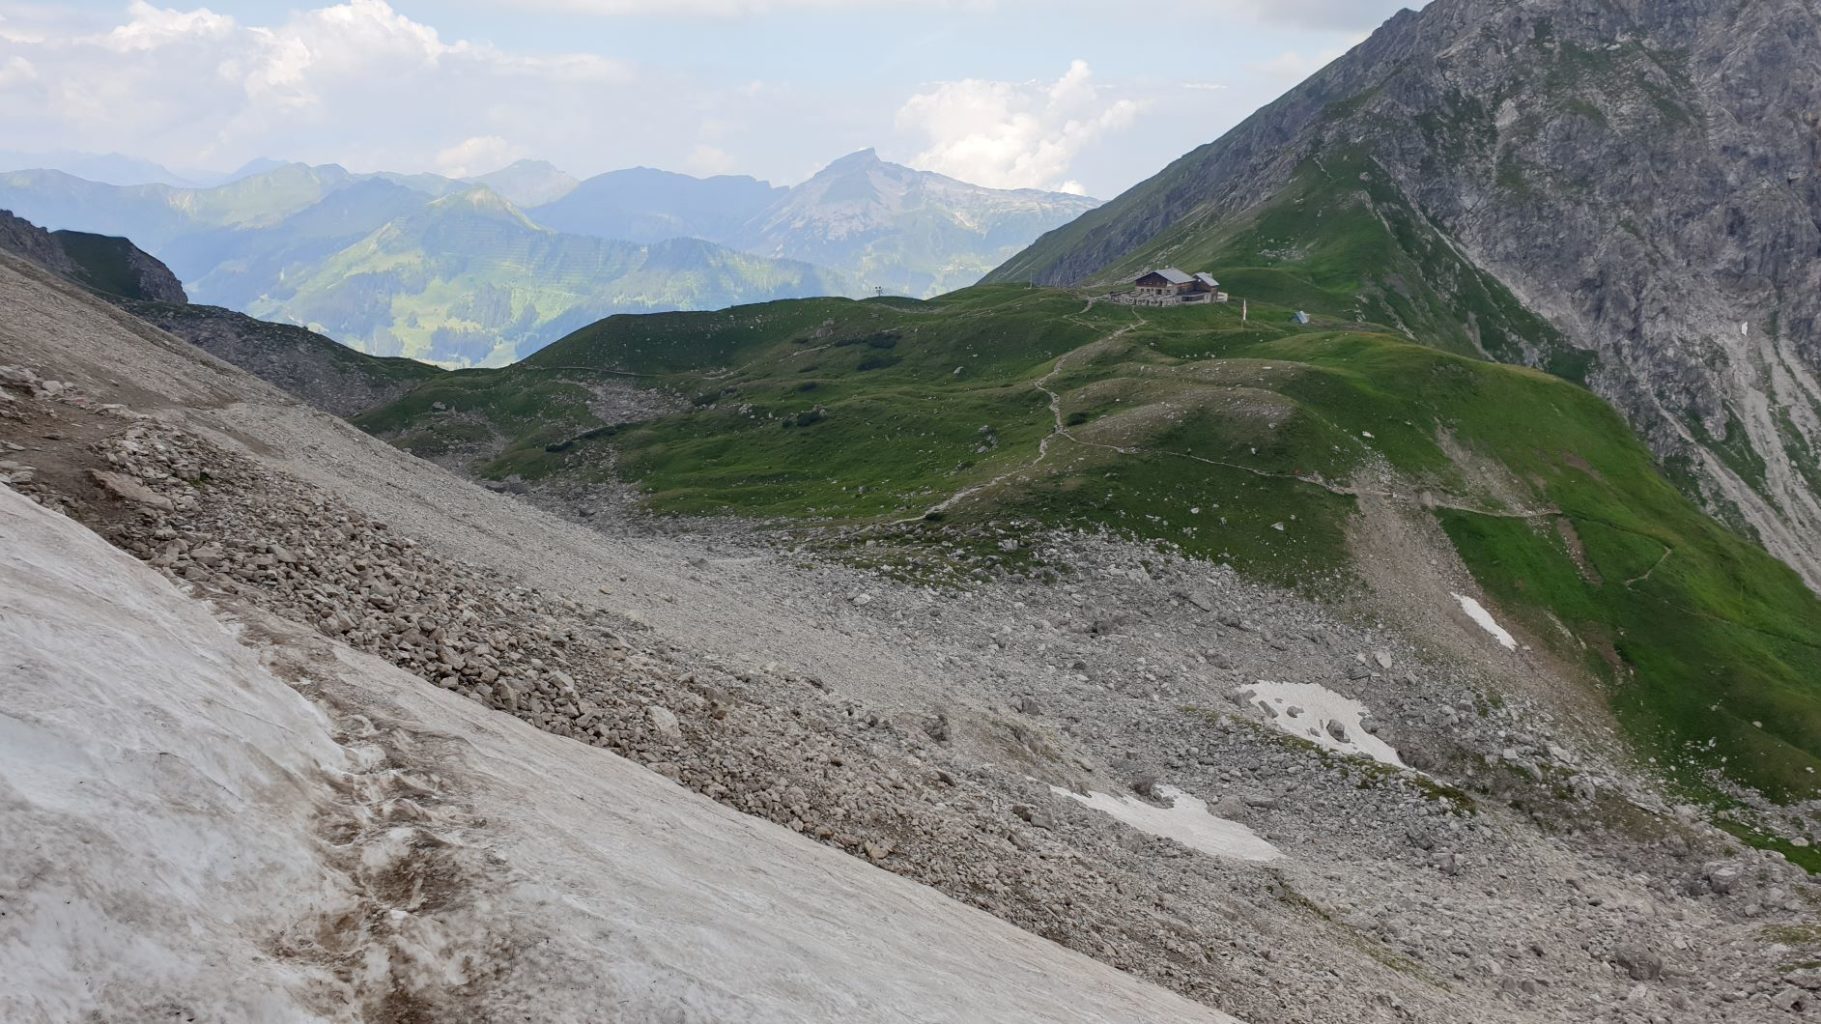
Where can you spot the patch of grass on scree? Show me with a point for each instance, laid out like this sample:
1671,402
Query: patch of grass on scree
1190,427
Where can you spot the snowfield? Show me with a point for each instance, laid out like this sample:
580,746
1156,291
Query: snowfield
286,830
1315,707
1483,618
1187,821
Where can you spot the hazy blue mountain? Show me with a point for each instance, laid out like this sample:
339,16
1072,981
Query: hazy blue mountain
378,260
646,205
257,165
877,223
238,267
907,231
528,183
469,280
107,168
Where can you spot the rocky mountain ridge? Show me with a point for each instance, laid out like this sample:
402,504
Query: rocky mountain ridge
113,266
1647,176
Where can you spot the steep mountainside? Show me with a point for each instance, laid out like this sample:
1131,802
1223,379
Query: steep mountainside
468,280
114,266
28,241
945,432
1646,176
321,371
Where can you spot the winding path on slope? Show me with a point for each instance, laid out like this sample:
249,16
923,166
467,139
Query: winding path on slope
1059,430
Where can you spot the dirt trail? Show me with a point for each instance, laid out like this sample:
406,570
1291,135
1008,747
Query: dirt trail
1059,430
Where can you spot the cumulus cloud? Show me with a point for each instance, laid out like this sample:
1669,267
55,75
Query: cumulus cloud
153,27
355,81
478,155
1012,134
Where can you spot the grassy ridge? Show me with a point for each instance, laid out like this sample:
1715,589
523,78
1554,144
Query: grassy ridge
1232,440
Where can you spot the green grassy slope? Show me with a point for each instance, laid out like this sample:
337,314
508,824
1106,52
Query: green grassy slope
1230,440
1342,239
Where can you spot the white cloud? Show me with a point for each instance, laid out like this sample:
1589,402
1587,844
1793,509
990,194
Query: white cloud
17,71
212,83
479,155
355,82
706,161
1012,134
153,27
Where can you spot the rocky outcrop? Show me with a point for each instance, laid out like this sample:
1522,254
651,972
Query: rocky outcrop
113,266
23,238
1645,175
119,269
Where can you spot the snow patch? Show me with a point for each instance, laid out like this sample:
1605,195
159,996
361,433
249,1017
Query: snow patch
163,802
1315,707
1187,821
1478,613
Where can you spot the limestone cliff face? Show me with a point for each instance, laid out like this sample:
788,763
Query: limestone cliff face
1646,174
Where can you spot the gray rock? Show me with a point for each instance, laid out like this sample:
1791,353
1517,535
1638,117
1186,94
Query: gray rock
665,722
128,489
1639,962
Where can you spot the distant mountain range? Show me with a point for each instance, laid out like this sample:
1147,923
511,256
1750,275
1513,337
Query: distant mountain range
487,270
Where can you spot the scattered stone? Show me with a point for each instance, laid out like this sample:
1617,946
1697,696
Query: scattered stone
1639,962
665,722
127,489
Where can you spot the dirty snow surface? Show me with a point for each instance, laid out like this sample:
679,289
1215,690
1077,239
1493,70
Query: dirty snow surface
1478,613
1187,821
194,828
1309,711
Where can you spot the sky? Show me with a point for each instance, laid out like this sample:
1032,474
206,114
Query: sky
1057,94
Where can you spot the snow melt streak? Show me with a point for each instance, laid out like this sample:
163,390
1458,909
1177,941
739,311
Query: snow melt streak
1316,706
1186,821
1479,614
